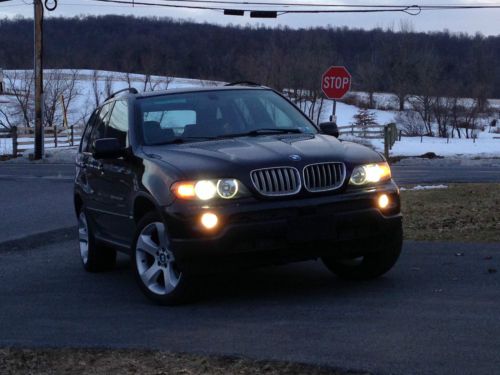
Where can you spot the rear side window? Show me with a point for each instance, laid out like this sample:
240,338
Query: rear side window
88,129
118,123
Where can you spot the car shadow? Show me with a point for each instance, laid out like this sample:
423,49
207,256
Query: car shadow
292,282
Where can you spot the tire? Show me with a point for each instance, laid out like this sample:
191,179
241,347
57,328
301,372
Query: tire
153,264
94,256
369,266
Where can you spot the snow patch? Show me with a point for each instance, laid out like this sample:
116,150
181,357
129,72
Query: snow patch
424,187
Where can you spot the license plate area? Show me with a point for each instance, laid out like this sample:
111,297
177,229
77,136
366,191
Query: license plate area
307,229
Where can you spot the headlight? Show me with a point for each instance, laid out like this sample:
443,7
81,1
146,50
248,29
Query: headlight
226,188
370,173
205,190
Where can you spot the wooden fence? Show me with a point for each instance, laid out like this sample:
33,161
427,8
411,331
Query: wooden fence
389,133
23,138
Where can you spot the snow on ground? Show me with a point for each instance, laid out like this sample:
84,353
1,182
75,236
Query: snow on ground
484,146
425,187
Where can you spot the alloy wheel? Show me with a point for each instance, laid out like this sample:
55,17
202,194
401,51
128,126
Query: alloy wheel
155,261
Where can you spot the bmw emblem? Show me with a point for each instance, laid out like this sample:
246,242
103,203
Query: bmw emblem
295,157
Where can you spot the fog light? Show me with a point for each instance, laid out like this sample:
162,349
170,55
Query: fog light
383,201
209,220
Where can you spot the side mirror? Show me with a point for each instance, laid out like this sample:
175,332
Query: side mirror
329,128
107,148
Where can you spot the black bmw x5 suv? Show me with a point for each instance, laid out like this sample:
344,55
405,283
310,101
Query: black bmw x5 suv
195,180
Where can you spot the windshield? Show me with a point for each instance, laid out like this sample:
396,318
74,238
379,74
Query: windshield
196,116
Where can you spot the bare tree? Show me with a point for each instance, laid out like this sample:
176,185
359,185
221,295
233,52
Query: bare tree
442,111
59,92
108,85
427,75
20,84
6,118
410,123
128,79
402,63
422,105
369,75
146,83
95,88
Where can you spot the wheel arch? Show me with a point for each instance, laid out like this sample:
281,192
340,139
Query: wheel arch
142,205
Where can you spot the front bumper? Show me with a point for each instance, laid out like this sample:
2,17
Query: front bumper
276,231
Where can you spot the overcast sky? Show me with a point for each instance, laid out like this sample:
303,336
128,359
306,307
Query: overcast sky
486,22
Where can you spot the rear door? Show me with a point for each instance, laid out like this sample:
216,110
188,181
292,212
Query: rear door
94,171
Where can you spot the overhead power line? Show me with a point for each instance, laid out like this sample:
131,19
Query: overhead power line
294,8
280,8
326,5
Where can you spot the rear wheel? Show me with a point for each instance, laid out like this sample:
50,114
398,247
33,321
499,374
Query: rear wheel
369,266
94,257
154,263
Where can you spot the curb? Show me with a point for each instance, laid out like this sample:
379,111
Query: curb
39,239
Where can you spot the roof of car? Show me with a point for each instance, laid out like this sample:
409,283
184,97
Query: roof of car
198,89
182,90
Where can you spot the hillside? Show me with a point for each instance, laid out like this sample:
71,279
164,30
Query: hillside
379,60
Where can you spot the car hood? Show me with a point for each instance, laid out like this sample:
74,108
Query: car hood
231,157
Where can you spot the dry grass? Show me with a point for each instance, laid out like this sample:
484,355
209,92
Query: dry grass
123,362
463,212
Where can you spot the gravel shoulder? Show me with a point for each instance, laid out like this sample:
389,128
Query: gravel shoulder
104,362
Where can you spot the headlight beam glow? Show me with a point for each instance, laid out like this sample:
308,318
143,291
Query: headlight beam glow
370,173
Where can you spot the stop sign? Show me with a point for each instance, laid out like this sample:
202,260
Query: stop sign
336,82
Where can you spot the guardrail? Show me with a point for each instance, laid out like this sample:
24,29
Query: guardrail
23,137
389,133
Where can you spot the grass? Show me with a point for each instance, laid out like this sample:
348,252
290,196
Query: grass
463,213
123,362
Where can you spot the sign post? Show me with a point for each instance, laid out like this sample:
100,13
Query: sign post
38,63
335,83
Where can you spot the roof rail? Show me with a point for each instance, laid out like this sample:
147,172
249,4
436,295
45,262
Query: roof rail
131,90
243,83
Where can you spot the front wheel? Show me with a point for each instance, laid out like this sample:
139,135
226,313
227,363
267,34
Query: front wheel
154,263
369,266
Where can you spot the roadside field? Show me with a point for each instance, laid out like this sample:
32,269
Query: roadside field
97,362
462,213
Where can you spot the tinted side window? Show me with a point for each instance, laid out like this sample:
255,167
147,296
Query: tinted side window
118,123
86,133
99,130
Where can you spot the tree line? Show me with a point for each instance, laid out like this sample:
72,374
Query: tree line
400,61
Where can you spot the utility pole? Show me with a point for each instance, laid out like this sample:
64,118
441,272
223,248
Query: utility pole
38,70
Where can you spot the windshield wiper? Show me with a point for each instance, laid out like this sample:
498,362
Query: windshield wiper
264,131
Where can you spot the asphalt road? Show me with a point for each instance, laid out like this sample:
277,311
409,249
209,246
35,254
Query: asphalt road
436,312
35,199
432,174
